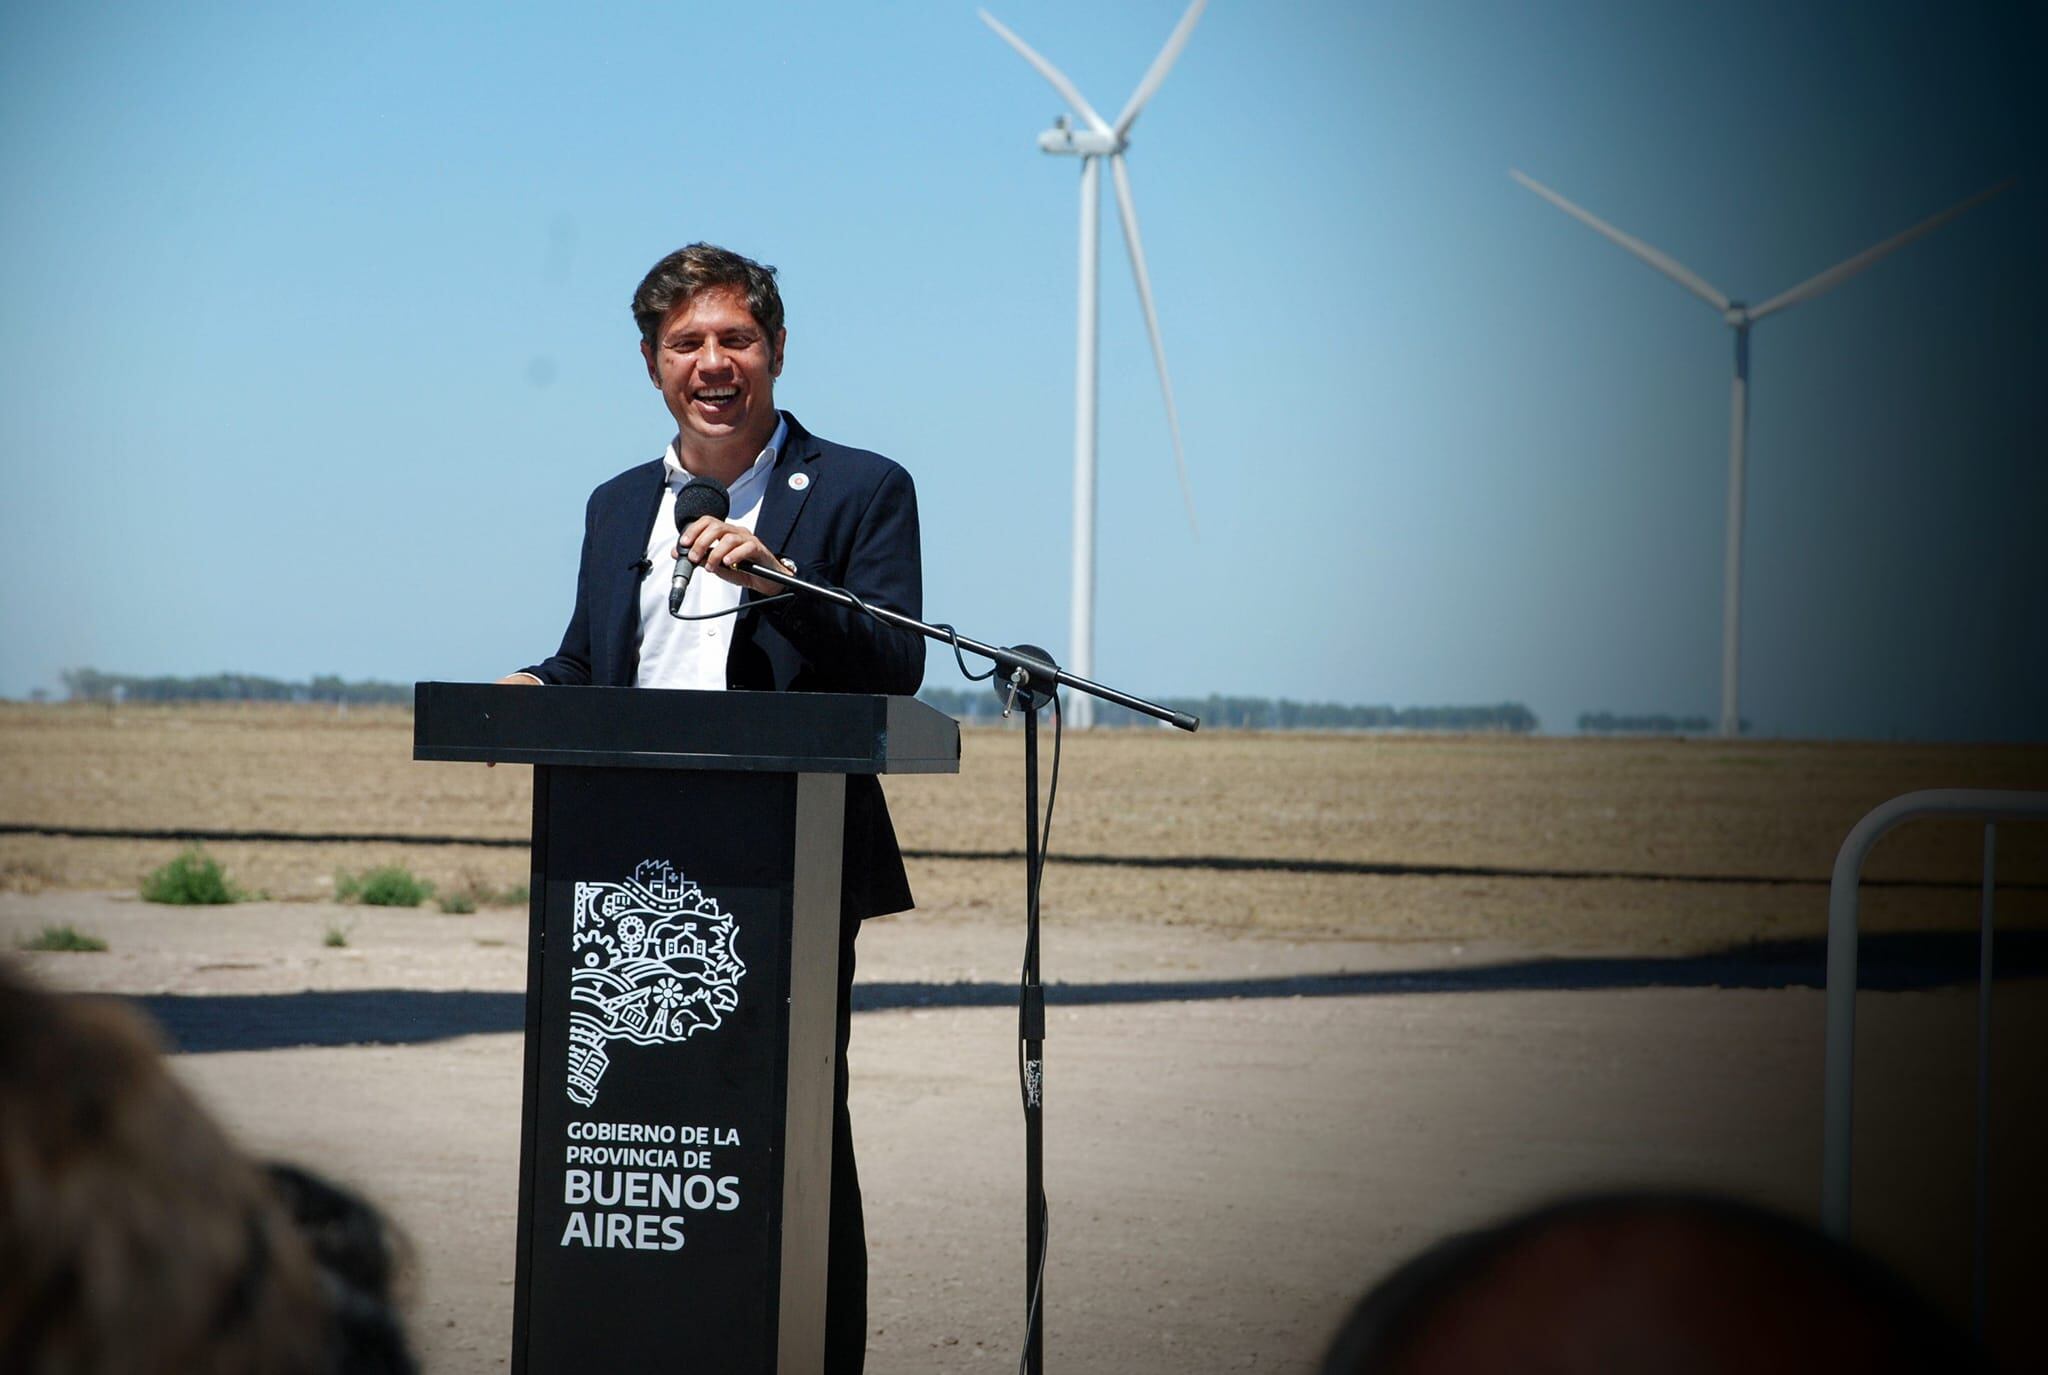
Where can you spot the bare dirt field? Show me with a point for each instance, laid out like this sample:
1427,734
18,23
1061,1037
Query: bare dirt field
1659,808
1231,1162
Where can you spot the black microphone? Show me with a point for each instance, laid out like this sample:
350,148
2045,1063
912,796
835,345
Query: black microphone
700,496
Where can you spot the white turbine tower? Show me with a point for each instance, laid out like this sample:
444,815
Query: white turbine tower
1740,317
1096,140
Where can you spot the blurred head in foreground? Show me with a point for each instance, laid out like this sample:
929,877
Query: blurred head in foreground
133,1237
1670,1283
360,1258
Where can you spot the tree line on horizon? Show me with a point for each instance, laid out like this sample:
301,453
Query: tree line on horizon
91,685
982,706
973,705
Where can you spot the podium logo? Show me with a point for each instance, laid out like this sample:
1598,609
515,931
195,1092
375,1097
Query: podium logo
651,963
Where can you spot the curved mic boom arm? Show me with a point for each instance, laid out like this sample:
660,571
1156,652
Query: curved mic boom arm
1037,673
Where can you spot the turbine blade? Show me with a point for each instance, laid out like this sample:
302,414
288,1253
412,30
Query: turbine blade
1669,266
1161,65
1127,210
1051,73
1843,271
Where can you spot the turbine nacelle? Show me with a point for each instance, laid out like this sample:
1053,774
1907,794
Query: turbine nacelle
1064,138
1736,315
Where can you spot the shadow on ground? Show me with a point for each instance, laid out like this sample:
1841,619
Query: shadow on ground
199,1024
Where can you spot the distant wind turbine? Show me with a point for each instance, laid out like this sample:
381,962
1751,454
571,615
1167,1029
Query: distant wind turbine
1740,317
1097,140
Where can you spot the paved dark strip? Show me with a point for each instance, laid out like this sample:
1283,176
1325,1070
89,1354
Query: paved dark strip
197,1024
1211,863
1395,869
203,1023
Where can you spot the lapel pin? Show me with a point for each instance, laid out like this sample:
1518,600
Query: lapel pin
799,481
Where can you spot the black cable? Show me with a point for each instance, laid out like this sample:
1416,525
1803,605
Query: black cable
953,638
735,610
1037,1283
731,611
1052,794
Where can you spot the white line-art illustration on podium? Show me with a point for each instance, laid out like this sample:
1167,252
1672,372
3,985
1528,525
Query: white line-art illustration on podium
652,963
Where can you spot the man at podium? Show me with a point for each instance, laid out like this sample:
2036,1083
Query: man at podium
713,342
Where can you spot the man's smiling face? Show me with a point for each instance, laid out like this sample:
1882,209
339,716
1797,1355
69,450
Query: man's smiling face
716,368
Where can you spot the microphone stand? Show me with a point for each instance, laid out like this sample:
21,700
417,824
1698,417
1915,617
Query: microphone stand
1038,671
1029,678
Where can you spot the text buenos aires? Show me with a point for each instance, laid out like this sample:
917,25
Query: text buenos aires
659,1201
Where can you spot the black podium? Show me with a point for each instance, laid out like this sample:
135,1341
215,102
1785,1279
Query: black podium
676,1129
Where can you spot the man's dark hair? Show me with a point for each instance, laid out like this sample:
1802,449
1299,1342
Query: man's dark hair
687,271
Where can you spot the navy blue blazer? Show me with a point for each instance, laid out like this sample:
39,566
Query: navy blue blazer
850,521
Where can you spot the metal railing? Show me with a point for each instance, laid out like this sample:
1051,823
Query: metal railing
1839,1089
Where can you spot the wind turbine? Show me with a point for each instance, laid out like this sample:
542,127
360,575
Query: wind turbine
1740,317
1096,140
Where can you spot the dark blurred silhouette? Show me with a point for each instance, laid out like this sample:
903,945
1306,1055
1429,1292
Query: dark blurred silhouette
360,1258
135,1239
1674,1283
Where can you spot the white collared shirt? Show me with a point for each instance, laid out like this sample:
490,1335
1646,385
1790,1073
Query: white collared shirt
691,654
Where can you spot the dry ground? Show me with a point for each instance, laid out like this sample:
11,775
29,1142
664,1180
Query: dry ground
1226,1173
1657,807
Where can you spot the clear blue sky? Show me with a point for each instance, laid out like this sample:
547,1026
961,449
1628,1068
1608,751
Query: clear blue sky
315,335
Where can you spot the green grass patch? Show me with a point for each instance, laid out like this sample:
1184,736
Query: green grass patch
336,937
474,894
392,885
193,879
62,938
